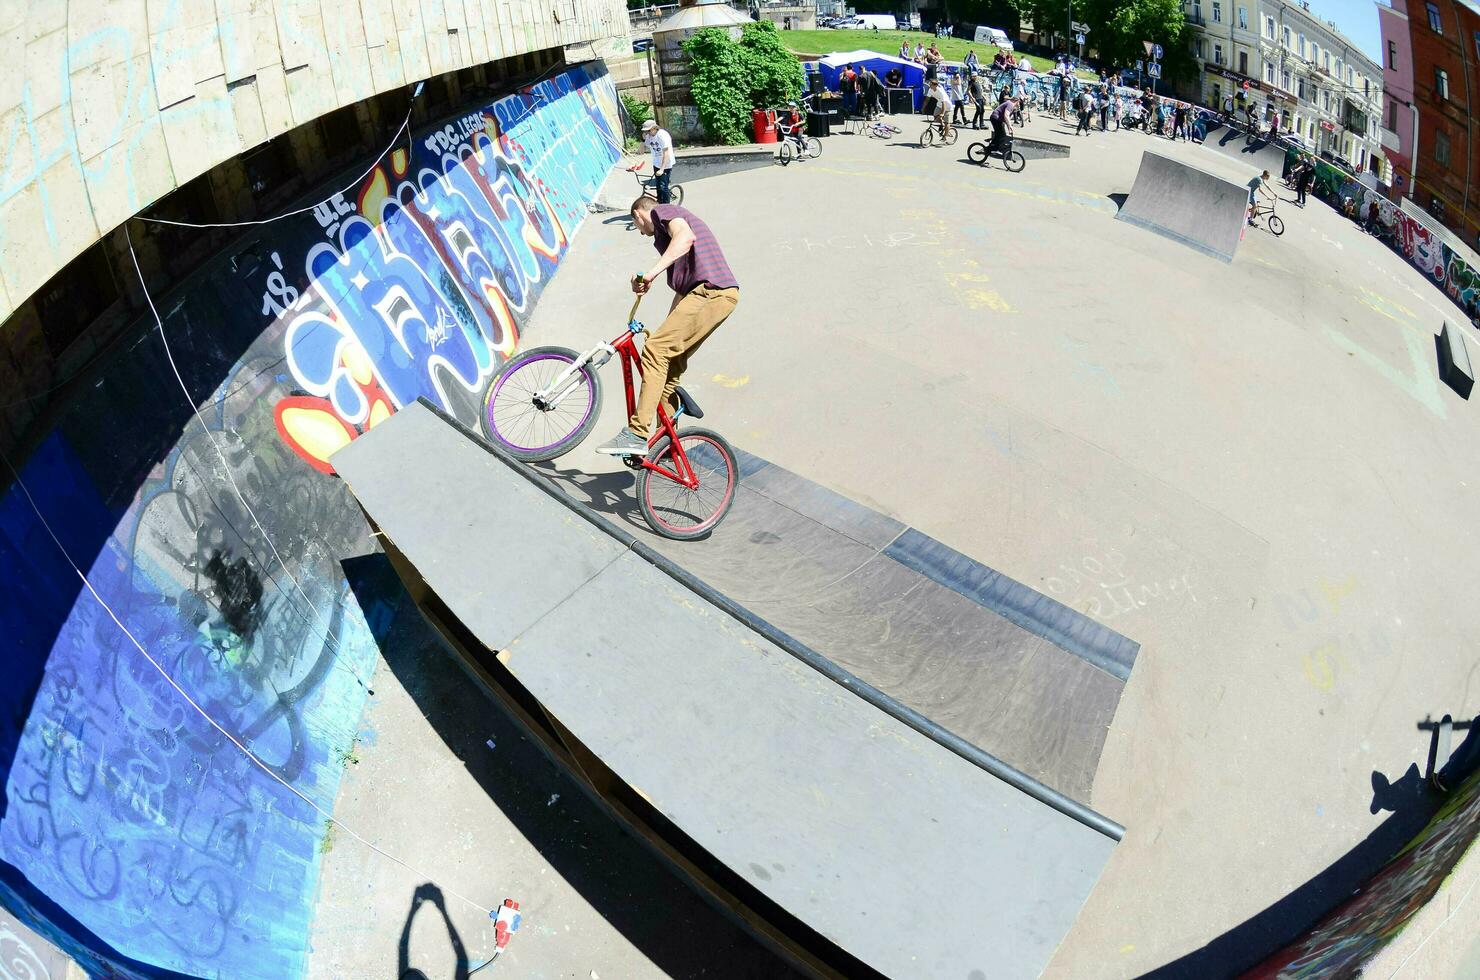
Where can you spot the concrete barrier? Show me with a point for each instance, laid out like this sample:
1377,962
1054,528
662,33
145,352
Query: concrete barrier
1188,205
1454,361
1040,149
711,161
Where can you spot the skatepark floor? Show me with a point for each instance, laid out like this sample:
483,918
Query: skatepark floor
1250,470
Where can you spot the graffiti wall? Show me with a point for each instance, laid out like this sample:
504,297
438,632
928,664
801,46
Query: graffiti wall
133,832
1339,944
1405,234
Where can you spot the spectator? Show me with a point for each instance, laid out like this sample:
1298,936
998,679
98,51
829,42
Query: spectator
1305,172
1179,121
848,85
971,63
660,144
904,50
919,52
1104,107
978,92
1082,102
871,93
999,61
894,78
958,96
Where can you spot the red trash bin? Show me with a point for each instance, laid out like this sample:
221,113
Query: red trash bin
763,122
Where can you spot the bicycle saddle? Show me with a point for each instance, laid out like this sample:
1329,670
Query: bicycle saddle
690,407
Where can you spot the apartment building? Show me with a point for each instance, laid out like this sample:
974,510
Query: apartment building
1435,45
1280,57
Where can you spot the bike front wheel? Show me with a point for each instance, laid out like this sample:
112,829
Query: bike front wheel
672,509
1013,161
1276,225
814,146
784,154
977,153
927,138
518,418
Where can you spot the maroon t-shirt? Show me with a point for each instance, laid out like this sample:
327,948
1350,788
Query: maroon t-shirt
703,263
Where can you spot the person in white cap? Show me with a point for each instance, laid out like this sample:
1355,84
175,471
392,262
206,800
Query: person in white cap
661,144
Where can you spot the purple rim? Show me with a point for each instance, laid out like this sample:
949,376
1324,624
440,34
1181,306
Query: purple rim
493,426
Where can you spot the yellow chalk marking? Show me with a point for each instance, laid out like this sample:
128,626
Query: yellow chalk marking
729,382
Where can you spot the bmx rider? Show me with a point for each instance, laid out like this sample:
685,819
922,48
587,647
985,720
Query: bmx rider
705,292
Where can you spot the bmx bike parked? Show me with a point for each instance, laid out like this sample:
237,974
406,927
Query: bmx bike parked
980,152
545,401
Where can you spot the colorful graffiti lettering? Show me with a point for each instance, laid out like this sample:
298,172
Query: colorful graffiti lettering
424,283
227,558
1407,234
1348,937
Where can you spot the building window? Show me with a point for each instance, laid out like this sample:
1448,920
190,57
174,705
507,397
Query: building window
1218,54
1197,48
1441,83
1477,44
1349,79
1287,36
1269,28
1269,72
1285,79
1243,18
1300,88
1197,13
1243,62
1435,24
1217,12
1327,96
1393,116
1367,88
1326,61
1441,147
1301,48
1312,131
1393,51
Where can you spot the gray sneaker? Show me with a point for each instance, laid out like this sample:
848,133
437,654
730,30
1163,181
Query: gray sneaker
626,443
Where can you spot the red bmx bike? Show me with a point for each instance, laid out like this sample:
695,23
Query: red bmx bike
544,401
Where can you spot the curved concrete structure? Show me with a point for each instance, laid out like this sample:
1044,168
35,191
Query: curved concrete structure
111,106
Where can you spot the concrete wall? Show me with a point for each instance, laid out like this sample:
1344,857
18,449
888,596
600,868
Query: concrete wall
108,105
133,834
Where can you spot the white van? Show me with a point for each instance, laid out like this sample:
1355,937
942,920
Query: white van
880,22
991,35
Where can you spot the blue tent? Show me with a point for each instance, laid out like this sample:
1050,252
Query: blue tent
831,67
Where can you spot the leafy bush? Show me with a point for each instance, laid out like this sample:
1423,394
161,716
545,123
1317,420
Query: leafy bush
638,111
730,78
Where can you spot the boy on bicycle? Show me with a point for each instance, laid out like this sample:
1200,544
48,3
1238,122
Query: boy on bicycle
942,98
1258,185
705,292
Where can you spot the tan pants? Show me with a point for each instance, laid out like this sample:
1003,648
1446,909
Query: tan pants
666,353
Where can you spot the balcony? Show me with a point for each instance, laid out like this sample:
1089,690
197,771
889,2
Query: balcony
1390,140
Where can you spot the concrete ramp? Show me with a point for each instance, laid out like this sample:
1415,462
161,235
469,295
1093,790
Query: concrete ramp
1187,204
790,792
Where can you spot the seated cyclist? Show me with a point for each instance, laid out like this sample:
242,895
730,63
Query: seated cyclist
942,97
792,124
1001,127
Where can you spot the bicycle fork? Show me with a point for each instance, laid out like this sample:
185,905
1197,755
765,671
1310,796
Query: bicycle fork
564,383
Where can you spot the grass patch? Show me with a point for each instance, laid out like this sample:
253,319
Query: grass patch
327,843
887,42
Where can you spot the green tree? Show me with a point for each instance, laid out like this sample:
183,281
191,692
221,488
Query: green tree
1119,29
730,78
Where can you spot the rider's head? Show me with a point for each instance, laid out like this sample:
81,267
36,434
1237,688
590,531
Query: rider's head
642,215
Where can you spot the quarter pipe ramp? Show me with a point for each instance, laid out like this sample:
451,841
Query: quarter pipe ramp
1187,204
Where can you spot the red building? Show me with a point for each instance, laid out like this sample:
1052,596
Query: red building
1443,39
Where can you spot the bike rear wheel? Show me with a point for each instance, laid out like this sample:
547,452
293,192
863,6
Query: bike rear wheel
1276,225
513,420
1013,161
977,153
814,146
927,138
676,193
672,509
951,136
